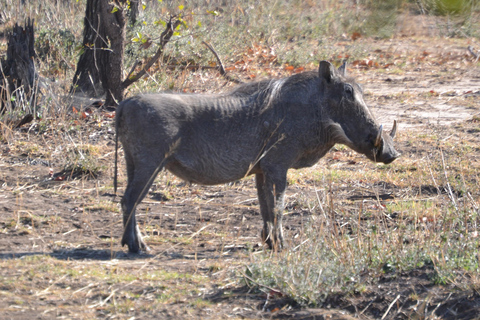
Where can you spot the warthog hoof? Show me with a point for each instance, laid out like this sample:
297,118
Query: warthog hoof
272,241
135,245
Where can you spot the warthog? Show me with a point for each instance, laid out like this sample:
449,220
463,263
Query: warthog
262,128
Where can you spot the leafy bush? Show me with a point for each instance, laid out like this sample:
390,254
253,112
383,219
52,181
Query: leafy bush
81,160
449,7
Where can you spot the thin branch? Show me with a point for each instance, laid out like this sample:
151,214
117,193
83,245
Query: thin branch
220,64
164,38
193,67
133,68
473,53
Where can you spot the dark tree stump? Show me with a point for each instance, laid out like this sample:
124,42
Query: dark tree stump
17,73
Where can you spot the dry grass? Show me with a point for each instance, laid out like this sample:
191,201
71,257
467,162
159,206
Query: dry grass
421,212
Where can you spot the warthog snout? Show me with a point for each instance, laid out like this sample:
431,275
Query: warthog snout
383,148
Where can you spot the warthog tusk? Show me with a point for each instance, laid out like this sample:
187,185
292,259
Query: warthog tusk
394,129
378,141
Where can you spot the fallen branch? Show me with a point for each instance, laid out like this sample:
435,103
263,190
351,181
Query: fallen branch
220,64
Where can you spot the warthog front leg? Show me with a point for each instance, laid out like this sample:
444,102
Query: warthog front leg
271,194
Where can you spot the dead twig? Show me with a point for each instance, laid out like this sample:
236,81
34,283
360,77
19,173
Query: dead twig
220,67
390,306
473,53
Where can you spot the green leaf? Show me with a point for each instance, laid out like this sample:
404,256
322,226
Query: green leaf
176,33
163,23
138,38
199,23
214,12
115,9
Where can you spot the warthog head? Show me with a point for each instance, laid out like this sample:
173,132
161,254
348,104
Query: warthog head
353,123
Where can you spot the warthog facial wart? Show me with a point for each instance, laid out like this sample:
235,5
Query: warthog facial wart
262,128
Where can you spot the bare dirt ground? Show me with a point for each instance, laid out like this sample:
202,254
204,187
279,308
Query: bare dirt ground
200,235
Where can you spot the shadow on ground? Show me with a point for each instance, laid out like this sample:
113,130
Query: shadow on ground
79,254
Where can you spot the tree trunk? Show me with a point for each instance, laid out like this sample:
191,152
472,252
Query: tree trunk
17,72
87,75
112,60
103,43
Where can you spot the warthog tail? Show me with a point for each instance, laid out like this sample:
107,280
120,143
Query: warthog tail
117,117
116,167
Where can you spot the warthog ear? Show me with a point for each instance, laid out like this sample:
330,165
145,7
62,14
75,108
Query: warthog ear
394,129
327,71
343,69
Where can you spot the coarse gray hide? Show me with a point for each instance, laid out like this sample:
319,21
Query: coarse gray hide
262,128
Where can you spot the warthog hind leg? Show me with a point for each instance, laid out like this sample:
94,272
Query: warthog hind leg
132,236
138,184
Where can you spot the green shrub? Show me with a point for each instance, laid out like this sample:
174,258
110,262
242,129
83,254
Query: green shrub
449,7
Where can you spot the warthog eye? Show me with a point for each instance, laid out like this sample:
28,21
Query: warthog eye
349,91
